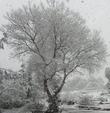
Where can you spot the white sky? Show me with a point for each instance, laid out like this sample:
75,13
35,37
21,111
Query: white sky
96,13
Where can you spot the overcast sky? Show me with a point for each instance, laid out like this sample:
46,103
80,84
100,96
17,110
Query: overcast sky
96,13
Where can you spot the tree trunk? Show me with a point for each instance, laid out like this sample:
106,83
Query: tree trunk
53,105
53,100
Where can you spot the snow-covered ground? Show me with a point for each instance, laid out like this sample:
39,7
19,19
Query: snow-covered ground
69,111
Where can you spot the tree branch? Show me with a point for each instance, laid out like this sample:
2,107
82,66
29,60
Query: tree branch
46,88
20,53
62,84
55,44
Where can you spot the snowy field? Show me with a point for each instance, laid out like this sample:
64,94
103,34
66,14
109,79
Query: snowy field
13,111
87,112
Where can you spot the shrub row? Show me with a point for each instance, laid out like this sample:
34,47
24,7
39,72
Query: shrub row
11,104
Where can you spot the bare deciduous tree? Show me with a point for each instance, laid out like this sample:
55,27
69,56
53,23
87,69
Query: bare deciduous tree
58,42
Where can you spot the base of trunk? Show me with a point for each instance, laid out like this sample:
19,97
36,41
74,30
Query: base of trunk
53,108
